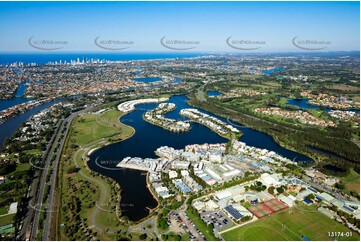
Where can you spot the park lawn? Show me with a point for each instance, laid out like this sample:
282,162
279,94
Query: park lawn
23,167
4,210
283,101
107,218
174,237
195,218
7,219
86,130
34,152
356,98
20,168
91,127
249,77
352,181
311,224
263,87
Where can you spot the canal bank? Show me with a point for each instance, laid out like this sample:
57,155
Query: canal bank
304,103
104,194
17,99
149,137
10,126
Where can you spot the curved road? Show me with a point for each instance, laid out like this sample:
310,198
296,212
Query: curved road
103,188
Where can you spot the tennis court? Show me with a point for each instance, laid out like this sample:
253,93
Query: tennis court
263,209
275,205
260,210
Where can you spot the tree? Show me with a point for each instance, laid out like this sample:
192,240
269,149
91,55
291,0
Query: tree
72,169
280,190
143,236
310,197
340,185
7,168
271,190
247,174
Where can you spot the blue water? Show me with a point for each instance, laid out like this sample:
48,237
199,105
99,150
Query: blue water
21,91
9,127
302,103
271,71
334,169
149,137
213,93
7,103
27,58
147,79
175,81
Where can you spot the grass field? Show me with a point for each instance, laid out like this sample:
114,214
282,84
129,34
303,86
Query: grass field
352,181
283,101
344,87
311,224
174,237
249,77
272,84
4,210
356,98
7,219
90,129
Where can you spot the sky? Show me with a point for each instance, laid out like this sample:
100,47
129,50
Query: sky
140,26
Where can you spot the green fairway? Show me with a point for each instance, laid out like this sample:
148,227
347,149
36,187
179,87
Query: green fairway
352,181
91,127
286,225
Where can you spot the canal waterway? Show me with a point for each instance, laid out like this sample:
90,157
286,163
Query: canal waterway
136,198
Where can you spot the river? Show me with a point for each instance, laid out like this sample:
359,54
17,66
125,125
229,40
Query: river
18,99
9,127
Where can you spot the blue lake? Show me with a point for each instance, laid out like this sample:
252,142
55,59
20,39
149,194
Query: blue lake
149,137
303,103
271,71
213,93
147,79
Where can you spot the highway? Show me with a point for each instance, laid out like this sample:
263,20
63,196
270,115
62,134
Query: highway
29,229
25,229
201,96
61,140
39,201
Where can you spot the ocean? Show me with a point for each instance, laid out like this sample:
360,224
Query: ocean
43,58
